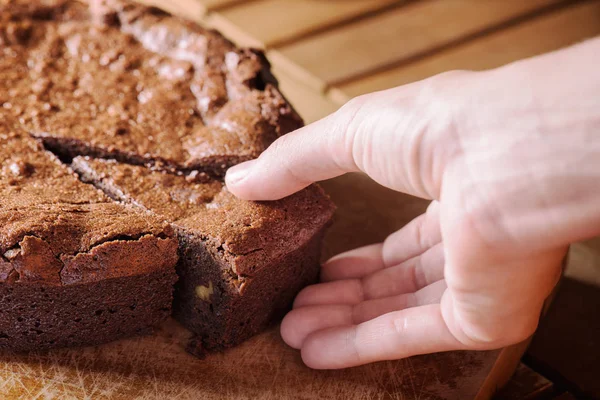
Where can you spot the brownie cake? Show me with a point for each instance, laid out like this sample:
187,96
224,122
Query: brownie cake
241,263
136,84
75,268
152,110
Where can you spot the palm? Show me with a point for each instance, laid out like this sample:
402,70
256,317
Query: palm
396,281
391,300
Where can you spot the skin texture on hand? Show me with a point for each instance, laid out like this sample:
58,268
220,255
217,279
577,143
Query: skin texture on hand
510,158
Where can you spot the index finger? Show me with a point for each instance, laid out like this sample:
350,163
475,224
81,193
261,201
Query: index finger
398,137
296,160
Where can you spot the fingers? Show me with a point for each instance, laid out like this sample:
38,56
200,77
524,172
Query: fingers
395,335
415,237
354,263
373,308
411,241
303,321
407,277
399,137
312,153
347,291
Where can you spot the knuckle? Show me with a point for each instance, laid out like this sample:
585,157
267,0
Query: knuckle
418,274
343,129
421,235
401,326
353,105
278,155
276,150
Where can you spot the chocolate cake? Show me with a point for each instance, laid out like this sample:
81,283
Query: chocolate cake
152,110
136,84
241,263
75,267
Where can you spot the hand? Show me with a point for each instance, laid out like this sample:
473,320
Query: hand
511,159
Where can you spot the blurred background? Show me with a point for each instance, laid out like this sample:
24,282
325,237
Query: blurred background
325,52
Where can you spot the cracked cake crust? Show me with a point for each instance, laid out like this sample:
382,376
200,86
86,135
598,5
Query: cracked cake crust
67,252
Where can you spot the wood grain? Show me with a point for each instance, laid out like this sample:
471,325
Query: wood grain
156,367
418,27
211,5
273,22
191,9
543,34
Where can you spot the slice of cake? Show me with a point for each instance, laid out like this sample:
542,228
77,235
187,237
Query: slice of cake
241,263
75,267
119,80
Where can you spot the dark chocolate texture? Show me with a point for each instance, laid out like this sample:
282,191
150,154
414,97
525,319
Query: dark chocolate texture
241,263
75,267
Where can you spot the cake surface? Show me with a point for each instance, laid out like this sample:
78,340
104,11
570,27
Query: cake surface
130,82
75,268
152,110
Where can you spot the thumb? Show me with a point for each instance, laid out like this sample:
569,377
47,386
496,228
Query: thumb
399,137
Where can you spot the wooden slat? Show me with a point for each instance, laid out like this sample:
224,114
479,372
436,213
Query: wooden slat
191,9
546,33
406,32
310,104
273,22
233,32
211,5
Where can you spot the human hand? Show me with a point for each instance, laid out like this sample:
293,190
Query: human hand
511,159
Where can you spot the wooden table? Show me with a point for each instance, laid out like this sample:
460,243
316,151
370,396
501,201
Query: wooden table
325,52
328,51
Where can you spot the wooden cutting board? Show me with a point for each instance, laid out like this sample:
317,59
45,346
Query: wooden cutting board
157,367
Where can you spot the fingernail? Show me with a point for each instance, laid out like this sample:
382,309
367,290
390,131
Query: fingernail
238,172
